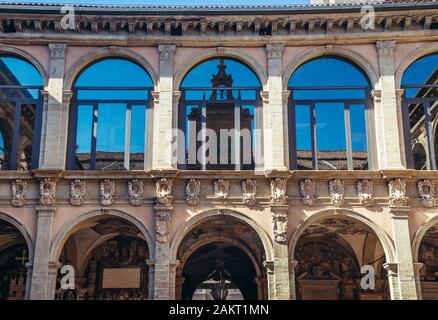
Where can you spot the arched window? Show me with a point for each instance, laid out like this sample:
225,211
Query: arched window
20,114
110,112
219,109
329,97
419,108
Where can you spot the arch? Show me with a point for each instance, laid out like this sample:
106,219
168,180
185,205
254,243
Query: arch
411,58
336,51
107,52
7,50
418,237
199,218
198,244
70,227
383,237
215,53
22,230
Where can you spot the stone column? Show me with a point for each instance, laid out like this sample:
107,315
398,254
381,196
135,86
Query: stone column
293,293
388,122
281,252
55,113
40,274
29,267
269,267
275,113
405,288
417,269
178,287
151,266
162,157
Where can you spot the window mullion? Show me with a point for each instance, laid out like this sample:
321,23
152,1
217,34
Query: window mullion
94,137
126,158
429,134
313,133
348,136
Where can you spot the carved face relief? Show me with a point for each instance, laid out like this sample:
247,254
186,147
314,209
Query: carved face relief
397,192
365,191
162,225
107,191
47,192
426,191
18,192
78,189
249,188
221,189
308,191
164,191
135,191
278,191
337,192
279,226
193,189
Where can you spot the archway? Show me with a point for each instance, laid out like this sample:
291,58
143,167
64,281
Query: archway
221,256
330,116
425,251
15,252
111,116
220,116
331,249
109,255
419,109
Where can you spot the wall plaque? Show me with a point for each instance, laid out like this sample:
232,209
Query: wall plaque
121,278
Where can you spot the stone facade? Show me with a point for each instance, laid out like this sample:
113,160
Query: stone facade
273,204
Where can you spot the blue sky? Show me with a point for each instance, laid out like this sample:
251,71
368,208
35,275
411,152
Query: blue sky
171,2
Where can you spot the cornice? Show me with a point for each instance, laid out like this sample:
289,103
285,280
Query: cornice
203,26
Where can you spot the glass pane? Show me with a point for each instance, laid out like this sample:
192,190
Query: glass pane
109,94
110,147
329,94
83,137
7,114
330,136
26,142
138,132
419,138
359,137
303,137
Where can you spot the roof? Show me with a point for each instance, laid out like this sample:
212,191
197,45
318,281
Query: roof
41,7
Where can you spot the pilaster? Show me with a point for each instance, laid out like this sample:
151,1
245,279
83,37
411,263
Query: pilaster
55,113
39,289
387,111
275,113
162,158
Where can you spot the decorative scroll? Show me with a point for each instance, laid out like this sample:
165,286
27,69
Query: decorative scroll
337,192
249,188
164,192
78,189
135,192
426,191
397,192
47,192
107,191
278,191
365,191
221,189
18,192
308,192
193,189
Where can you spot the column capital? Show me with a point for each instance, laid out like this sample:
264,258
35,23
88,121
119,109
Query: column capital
269,266
286,95
265,96
274,51
166,51
417,267
385,48
45,211
67,95
57,50
391,268
293,264
156,96
376,95
150,263
399,212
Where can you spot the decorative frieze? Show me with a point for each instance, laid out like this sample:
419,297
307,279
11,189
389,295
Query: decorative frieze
135,192
78,189
249,191
163,192
221,189
397,192
18,192
47,192
278,191
426,191
365,191
193,189
107,191
337,192
308,192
